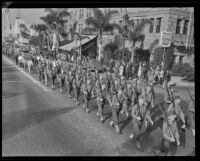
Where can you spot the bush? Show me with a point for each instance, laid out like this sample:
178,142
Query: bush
168,58
183,70
141,55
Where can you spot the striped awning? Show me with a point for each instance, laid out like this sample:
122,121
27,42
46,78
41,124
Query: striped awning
76,44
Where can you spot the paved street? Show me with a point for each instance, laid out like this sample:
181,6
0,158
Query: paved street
38,121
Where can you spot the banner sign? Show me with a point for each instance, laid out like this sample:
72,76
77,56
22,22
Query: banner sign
165,39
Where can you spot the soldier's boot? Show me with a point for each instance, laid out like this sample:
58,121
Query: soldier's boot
101,119
98,114
117,129
112,124
61,91
127,114
87,110
131,137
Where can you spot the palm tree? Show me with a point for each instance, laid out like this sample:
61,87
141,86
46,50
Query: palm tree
135,33
55,20
42,29
100,22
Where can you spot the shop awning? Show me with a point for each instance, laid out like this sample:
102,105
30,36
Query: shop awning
76,44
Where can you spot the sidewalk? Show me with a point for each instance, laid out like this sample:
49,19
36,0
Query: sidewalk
180,82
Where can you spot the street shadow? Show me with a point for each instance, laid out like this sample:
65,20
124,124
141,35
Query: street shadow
6,94
125,123
9,70
16,122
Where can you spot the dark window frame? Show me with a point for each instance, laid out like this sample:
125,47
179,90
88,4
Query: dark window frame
186,25
151,27
158,24
178,26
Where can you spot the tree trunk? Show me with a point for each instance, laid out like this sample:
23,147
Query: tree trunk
100,45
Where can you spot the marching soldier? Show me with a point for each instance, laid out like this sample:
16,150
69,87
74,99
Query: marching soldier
170,134
127,95
62,79
77,85
150,95
116,105
100,98
141,117
192,115
87,92
176,107
70,85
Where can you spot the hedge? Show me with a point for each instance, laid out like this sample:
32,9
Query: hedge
168,58
183,70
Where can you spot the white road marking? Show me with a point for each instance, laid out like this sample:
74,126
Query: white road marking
31,78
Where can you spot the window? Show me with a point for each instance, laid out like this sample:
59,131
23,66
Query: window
181,59
158,25
178,26
151,26
185,29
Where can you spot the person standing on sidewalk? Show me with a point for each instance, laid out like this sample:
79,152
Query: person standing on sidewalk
166,78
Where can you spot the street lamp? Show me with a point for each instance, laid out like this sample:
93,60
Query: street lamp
125,25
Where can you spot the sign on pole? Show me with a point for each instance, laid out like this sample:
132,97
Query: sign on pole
165,39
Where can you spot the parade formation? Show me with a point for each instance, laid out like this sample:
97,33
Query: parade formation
134,97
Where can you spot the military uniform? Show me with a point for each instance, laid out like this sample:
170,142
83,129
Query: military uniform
170,134
87,93
116,108
77,86
100,100
192,116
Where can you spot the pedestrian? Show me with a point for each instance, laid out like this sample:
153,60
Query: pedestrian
166,78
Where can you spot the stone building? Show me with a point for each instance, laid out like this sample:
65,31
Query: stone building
179,21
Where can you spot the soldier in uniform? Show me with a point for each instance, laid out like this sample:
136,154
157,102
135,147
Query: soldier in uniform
170,134
150,95
177,109
62,79
192,116
70,85
87,92
100,98
127,95
141,117
116,105
77,85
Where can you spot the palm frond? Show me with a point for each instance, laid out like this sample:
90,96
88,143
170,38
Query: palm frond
98,15
62,14
111,13
117,26
92,21
138,28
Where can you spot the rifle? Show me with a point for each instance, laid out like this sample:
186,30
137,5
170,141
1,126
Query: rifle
165,117
190,94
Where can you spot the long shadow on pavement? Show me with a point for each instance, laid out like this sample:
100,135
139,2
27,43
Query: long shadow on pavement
6,94
16,122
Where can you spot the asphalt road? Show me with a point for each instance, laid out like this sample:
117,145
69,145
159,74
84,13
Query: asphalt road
38,121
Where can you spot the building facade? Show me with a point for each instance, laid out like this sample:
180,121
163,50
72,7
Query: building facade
179,21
